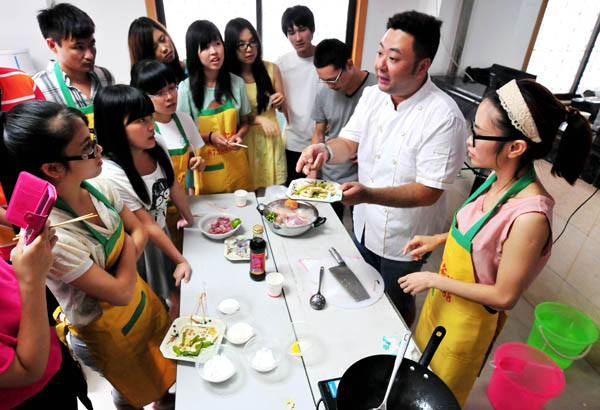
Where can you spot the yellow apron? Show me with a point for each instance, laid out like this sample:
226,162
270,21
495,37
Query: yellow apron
471,327
88,110
124,342
180,158
226,170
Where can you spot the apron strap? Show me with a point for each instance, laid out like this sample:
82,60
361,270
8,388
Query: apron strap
108,244
67,93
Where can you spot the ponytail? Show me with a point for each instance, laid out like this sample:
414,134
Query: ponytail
8,178
574,146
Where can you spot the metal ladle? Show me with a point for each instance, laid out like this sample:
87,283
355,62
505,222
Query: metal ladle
317,301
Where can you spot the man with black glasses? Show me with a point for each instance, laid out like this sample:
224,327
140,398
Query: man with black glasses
335,104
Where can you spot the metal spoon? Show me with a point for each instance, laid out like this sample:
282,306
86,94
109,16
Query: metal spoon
397,363
317,301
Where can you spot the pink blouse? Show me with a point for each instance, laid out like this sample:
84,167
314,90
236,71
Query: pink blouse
488,242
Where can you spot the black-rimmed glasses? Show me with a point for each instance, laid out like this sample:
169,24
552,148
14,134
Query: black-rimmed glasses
244,46
486,137
83,157
332,81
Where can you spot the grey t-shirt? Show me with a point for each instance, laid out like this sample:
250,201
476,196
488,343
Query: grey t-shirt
336,108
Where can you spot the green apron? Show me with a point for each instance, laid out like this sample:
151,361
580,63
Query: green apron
124,341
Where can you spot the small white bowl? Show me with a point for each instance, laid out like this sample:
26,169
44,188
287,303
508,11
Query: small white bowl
225,352
234,339
205,223
255,345
300,339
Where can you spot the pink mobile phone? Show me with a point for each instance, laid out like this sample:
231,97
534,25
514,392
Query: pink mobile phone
30,204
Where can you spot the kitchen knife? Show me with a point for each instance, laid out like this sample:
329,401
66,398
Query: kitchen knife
347,278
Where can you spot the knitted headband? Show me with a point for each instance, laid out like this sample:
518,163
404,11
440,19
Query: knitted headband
515,106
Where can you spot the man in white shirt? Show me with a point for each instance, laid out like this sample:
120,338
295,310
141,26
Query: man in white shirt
410,140
299,82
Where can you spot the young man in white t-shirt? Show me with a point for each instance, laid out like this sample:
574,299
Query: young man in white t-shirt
300,83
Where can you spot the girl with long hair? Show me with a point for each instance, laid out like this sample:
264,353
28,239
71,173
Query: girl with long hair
177,128
218,103
140,168
148,38
266,148
501,237
115,322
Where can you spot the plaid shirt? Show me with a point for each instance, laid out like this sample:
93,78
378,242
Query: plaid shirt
48,84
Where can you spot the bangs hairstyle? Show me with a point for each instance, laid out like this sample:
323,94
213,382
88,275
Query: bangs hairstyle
424,28
62,21
297,16
113,105
198,37
141,44
35,133
264,86
333,52
151,76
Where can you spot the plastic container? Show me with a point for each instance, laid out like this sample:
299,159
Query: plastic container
563,333
523,378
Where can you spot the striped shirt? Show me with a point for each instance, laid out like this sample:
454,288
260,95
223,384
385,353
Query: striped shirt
17,87
47,82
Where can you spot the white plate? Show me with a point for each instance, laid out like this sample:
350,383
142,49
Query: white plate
296,184
172,336
233,252
206,221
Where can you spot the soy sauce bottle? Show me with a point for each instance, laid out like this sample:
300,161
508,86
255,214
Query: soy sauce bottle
257,254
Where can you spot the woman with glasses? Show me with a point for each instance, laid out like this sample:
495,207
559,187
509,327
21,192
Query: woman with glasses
501,237
177,129
148,39
266,148
106,308
139,166
218,103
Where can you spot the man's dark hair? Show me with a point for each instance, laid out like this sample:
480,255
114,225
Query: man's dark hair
62,21
333,52
297,16
424,28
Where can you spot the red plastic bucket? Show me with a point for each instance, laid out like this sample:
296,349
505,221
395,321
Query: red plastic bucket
524,378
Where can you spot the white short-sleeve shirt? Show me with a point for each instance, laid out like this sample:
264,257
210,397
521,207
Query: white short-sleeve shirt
422,140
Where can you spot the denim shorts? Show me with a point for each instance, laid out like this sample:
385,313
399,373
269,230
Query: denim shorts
391,271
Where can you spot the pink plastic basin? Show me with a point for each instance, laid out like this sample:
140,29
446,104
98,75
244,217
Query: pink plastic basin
524,378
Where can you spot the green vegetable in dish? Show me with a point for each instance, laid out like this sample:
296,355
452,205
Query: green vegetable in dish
177,351
236,222
271,216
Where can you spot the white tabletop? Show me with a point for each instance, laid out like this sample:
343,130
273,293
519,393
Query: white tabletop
343,335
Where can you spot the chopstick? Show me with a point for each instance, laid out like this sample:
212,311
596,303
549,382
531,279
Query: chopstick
238,145
198,304
70,221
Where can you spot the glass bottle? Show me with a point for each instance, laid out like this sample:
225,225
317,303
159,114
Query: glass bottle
257,254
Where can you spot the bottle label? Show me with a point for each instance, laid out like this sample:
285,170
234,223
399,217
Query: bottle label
257,263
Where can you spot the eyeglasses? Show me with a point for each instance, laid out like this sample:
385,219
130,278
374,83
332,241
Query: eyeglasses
332,81
89,155
164,93
245,46
487,138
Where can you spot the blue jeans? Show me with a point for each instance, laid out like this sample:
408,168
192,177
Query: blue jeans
391,271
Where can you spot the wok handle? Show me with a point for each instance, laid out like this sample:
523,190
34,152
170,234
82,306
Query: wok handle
336,255
435,340
319,221
261,209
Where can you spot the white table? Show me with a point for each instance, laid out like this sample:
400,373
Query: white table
336,329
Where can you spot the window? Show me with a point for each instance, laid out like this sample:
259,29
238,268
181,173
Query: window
562,57
330,19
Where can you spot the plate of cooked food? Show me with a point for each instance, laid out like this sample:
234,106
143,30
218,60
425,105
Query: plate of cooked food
193,339
237,248
318,190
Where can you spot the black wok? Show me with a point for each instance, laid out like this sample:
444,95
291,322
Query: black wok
363,385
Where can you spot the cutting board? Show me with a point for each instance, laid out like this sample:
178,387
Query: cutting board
335,294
